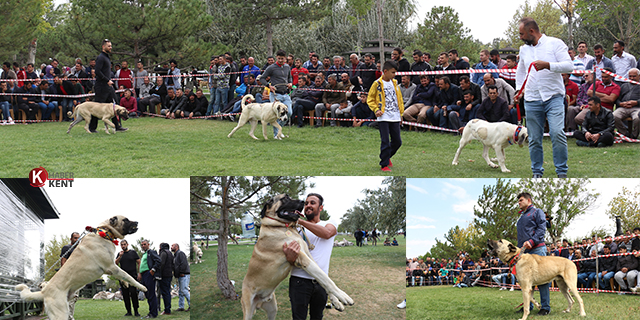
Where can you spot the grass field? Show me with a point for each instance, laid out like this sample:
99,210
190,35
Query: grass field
372,276
155,147
446,302
104,309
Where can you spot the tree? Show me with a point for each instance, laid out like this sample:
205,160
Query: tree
442,31
546,15
52,255
497,211
217,201
625,15
568,8
20,22
626,205
562,199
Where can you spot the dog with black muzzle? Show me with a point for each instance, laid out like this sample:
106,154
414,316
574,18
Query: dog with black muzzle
93,257
269,266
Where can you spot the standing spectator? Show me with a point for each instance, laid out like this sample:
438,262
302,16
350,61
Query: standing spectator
458,64
166,267
544,94
337,67
356,66
141,74
628,106
213,69
280,76
531,228
582,53
496,59
20,74
385,100
577,65
298,70
508,76
418,65
8,73
174,75
600,61
149,266
622,61
358,236
368,77
182,272
313,66
397,55
485,63
129,261
233,76
126,74
222,84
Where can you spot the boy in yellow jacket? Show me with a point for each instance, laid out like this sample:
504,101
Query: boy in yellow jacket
385,100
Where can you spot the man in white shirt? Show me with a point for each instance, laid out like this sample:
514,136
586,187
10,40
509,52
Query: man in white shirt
543,93
305,293
582,53
622,61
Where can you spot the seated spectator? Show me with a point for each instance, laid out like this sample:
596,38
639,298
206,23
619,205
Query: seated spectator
130,103
178,106
422,100
157,95
336,68
67,88
507,76
628,106
144,88
202,103
169,102
597,127
297,94
192,108
298,70
308,100
485,63
587,271
607,267
354,88
394,242
581,104
606,90
406,89
577,65
443,274
577,255
570,100
448,95
418,276
5,104
27,103
464,281
409,275
494,108
465,111
627,267
344,77
331,100
47,105
505,91
387,242
361,112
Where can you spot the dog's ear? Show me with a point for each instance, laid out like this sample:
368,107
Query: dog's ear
512,248
113,221
266,207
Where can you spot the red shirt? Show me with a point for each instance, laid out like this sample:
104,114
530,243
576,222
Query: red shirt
131,105
612,88
295,72
572,89
125,74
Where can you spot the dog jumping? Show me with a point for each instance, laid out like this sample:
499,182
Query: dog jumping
496,135
264,112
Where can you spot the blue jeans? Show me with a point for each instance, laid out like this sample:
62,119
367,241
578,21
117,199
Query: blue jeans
436,118
237,107
544,288
286,99
183,284
221,99
212,101
553,111
604,280
586,278
47,109
5,109
66,105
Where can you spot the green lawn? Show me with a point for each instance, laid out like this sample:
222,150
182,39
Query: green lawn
445,302
104,309
155,147
372,276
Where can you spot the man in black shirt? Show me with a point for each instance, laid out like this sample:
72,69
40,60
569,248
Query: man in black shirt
183,273
129,261
103,87
65,253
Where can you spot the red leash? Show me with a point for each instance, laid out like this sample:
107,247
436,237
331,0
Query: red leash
517,98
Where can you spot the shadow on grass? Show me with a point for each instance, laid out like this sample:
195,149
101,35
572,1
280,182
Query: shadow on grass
372,275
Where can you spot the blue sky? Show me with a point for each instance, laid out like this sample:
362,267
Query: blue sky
436,205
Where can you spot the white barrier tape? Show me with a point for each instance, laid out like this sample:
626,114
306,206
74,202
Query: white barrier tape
55,95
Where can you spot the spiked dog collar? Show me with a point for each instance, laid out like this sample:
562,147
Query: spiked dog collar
104,233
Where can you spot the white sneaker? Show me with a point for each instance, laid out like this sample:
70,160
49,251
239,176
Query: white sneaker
503,288
403,304
634,289
511,289
10,121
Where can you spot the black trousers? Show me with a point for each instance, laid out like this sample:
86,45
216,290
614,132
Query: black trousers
109,97
299,107
130,296
606,138
388,149
306,296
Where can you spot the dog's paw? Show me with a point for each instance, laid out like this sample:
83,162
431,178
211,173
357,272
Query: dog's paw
505,170
454,163
493,165
143,289
494,159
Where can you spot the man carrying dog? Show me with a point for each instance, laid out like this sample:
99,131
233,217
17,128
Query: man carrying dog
104,86
149,265
129,261
307,295
531,227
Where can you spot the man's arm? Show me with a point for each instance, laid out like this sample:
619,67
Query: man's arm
324,232
606,98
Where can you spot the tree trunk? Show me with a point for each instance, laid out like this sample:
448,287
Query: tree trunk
380,32
222,274
33,45
269,38
570,22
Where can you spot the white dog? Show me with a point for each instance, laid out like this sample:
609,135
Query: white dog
197,253
104,111
93,257
497,135
263,112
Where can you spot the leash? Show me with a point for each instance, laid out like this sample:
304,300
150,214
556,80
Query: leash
114,112
517,97
513,262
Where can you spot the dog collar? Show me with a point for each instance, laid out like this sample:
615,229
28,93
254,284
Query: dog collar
104,233
516,134
286,224
513,262
114,112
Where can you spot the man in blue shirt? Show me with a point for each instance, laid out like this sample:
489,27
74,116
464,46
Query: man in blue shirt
484,63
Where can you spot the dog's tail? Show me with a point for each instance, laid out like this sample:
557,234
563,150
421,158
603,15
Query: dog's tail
244,99
27,295
77,117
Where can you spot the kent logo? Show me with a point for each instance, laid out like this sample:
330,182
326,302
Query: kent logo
39,176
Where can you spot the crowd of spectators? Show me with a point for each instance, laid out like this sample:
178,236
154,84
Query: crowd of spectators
447,101
616,273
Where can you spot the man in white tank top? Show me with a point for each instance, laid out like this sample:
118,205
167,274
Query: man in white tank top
306,295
